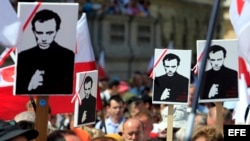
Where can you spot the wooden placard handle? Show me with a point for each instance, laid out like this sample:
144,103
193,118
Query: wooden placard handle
219,115
41,124
170,122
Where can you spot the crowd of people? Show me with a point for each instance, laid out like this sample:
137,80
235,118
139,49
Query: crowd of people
128,114
117,7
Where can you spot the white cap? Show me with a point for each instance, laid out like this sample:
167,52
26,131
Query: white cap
179,117
26,115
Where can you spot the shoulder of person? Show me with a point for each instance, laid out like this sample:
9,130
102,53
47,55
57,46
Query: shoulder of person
98,124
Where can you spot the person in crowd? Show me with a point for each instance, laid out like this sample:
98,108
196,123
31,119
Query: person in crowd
11,131
137,84
115,115
207,133
91,7
179,120
133,130
133,8
86,111
25,124
31,105
200,119
113,87
192,86
147,120
103,138
221,82
147,82
38,70
81,133
171,86
117,137
144,6
212,117
63,135
25,115
180,134
141,104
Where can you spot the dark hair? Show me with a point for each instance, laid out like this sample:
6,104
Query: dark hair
113,83
216,48
58,135
88,79
171,56
103,138
45,15
116,98
25,124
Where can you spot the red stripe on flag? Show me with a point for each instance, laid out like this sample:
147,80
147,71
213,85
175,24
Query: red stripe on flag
240,4
11,105
8,74
101,73
243,70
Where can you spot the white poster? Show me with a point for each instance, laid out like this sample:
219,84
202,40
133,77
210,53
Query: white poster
45,53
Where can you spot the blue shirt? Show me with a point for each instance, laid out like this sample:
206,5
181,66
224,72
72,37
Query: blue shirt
110,126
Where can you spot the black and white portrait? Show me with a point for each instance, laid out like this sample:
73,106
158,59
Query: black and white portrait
85,112
221,73
45,57
171,76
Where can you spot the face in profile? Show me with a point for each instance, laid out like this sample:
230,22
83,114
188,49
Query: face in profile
87,88
170,67
216,60
45,33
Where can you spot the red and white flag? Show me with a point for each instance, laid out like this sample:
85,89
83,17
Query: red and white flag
240,18
10,25
11,105
7,76
101,66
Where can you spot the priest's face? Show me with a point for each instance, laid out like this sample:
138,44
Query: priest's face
45,33
216,60
170,67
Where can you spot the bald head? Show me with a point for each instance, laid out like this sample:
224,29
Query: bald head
133,130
